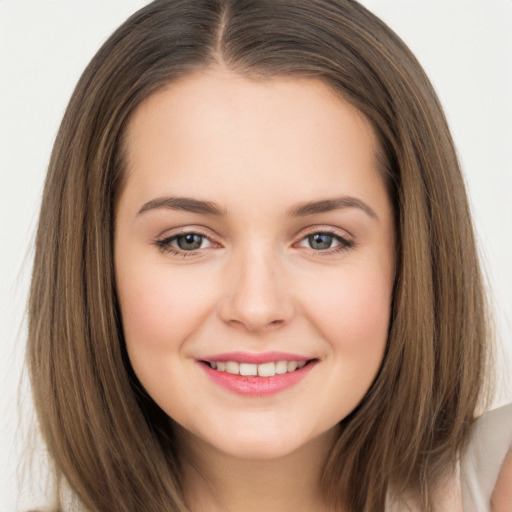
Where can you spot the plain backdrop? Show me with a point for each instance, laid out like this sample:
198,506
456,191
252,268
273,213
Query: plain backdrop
464,45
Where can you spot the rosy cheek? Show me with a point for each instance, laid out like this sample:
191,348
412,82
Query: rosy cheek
353,312
160,307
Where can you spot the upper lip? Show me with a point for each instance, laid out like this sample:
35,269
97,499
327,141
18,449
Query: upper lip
255,358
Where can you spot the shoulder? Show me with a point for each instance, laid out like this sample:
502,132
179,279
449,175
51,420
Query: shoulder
485,456
502,494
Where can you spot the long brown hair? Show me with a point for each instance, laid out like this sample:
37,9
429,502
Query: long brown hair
110,441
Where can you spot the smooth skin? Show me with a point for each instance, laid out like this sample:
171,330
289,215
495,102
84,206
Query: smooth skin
254,218
502,495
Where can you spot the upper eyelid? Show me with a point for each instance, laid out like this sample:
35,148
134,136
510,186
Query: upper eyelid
338,232
192,230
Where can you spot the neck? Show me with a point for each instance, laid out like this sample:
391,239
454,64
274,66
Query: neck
218,482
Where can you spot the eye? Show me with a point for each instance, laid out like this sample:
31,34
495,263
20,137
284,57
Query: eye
190,242
325,241
320,241
183,243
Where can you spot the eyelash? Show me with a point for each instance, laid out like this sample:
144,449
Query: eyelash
165,246
344,243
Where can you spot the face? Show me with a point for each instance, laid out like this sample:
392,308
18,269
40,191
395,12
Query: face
254,259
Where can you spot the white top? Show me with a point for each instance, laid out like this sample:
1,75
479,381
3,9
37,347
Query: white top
480,464
490,441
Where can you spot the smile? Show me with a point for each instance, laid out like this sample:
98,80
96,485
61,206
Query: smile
257,375
262,370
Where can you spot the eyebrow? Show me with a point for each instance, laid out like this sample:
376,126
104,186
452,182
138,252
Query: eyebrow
189,204
331,204
186,204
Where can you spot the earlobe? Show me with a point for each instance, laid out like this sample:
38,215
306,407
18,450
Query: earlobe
501,500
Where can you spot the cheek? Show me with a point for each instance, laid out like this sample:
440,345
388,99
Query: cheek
352,316
160,308
353,312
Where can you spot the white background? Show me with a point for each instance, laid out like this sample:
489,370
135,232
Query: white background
464,45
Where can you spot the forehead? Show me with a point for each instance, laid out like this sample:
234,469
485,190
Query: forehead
222,132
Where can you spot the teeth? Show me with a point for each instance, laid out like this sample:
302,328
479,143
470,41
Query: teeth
232,367
267,369
292,365
262,370
281,367
248,369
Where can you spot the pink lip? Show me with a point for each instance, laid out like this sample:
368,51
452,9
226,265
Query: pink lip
246,357
251,386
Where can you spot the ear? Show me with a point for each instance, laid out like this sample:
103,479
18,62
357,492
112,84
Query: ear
501,500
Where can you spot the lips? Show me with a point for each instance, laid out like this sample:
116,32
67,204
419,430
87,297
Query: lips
247,357
257,374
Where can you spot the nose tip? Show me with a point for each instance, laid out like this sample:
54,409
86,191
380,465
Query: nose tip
257,298
254,322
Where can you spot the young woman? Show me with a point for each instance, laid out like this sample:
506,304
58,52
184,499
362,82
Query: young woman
255,283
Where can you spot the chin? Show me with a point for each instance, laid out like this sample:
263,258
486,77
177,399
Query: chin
262,443
260,449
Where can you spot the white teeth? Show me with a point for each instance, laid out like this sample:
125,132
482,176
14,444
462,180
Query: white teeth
269,369
248,369
292,365
281,367
232,367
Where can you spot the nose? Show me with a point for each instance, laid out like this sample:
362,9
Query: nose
257,297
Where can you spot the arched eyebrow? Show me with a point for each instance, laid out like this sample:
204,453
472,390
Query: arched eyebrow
189,204
330,204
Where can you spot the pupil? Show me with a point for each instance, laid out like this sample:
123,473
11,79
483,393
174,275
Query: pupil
320,241
190,242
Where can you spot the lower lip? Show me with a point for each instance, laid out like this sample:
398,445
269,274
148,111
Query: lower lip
257,386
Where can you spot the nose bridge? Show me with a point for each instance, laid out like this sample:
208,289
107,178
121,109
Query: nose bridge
256,297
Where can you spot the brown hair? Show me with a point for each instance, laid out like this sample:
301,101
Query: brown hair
114,446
